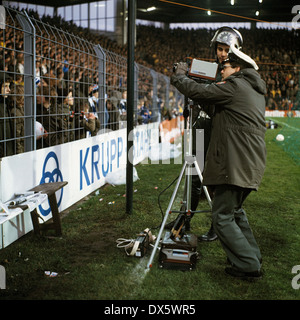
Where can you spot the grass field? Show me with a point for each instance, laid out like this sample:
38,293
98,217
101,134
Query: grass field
90,266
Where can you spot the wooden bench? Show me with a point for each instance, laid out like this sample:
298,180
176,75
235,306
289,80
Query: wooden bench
49,189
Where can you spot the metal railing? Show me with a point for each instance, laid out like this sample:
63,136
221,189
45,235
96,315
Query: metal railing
57,87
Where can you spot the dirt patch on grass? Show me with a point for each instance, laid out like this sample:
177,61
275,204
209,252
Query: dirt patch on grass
96,244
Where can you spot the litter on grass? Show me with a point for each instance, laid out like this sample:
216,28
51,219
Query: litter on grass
119,177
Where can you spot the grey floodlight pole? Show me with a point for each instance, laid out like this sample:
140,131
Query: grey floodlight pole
130,104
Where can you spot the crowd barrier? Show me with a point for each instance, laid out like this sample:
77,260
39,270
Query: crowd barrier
283,113
84,164
59,81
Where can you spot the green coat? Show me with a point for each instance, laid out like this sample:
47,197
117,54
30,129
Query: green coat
17,113
60,125
237,151
91,125
6,131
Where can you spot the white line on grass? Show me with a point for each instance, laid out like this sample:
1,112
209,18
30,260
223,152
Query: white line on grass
287,125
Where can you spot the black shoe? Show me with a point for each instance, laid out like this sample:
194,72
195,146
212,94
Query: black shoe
249,276
209,236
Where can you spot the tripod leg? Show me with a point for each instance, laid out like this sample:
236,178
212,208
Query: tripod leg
189,187
204,187
149,265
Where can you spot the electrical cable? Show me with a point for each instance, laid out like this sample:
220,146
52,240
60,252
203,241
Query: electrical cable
133,244
158,200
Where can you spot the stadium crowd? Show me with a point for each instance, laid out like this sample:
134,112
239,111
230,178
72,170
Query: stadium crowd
67,79
277,52
158,49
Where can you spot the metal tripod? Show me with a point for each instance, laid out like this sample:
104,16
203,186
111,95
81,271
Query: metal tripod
189,162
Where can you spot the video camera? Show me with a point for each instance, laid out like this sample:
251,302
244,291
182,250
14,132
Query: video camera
202,71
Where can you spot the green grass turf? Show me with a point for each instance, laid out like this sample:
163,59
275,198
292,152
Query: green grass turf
90,266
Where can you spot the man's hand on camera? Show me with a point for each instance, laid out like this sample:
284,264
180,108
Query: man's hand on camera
180,68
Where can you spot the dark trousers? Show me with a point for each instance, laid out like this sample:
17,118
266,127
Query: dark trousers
231,225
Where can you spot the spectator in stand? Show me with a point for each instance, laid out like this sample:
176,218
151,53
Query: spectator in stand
89,122
44,66
44,96
272,105
113,113
290,90
94,103
38,71
145,113
6,129
123,106
284,104
61,121
61,83
66,67
17,114
93,99
20,63
10,59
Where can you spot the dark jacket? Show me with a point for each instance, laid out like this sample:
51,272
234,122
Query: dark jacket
237,151
60,125
6,130
114,115
17,113
91,125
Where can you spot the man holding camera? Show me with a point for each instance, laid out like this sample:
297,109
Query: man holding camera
236,155
221,41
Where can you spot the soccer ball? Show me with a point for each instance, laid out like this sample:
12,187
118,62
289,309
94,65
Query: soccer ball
280,137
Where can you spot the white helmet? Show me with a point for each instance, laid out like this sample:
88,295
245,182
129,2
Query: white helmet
235,55
228,36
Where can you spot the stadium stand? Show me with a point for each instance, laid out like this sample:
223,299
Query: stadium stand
67,73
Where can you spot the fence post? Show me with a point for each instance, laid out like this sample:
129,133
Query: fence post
29,81
167,80
102,83
131,81
156,116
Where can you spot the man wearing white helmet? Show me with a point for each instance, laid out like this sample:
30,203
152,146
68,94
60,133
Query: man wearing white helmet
221,41
236,156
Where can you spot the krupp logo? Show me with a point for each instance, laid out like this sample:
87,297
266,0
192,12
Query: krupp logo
51,162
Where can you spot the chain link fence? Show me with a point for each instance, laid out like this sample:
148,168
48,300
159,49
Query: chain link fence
57,87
